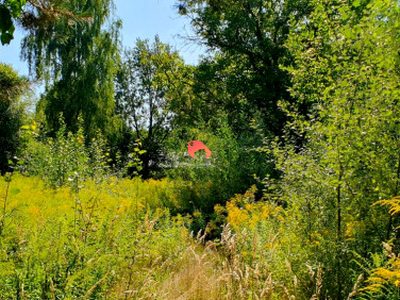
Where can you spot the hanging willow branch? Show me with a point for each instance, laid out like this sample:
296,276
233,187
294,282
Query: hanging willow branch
43,14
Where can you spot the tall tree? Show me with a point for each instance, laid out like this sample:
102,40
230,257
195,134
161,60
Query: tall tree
78,62
12,87
147,95
250,37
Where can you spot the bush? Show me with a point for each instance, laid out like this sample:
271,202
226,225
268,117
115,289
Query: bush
66,159
232,168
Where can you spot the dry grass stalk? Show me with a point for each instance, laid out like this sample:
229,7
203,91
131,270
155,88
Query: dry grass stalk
355,288
318,284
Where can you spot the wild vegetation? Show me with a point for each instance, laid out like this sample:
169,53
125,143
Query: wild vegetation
298,102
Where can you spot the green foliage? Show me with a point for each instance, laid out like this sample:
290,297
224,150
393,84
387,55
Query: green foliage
347,76
79,60
9,10
264,240
67,159
49,253
231,169
145,98
297,97
249,38
34,14
12,87
384,271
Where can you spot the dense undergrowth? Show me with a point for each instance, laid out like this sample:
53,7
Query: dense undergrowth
115,239
73,228
118,240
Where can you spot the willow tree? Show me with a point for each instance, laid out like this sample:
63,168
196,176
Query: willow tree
29,14
77,59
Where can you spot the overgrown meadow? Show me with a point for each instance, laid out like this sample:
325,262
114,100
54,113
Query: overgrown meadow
298,101
73,228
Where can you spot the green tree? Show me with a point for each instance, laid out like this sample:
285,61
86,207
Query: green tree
12,87
78,62
145,83
249,37
346,68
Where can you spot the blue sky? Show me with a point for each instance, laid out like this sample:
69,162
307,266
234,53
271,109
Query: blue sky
141,19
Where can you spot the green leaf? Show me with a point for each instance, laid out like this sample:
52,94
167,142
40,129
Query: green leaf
15,192
5,19
6,38
356,3
11,30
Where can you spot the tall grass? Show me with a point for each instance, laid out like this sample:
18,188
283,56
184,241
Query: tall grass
121,242
52,250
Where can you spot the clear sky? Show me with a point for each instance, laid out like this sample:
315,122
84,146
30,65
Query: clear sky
141,19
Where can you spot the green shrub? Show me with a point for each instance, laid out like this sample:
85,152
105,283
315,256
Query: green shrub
232,168
66,159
